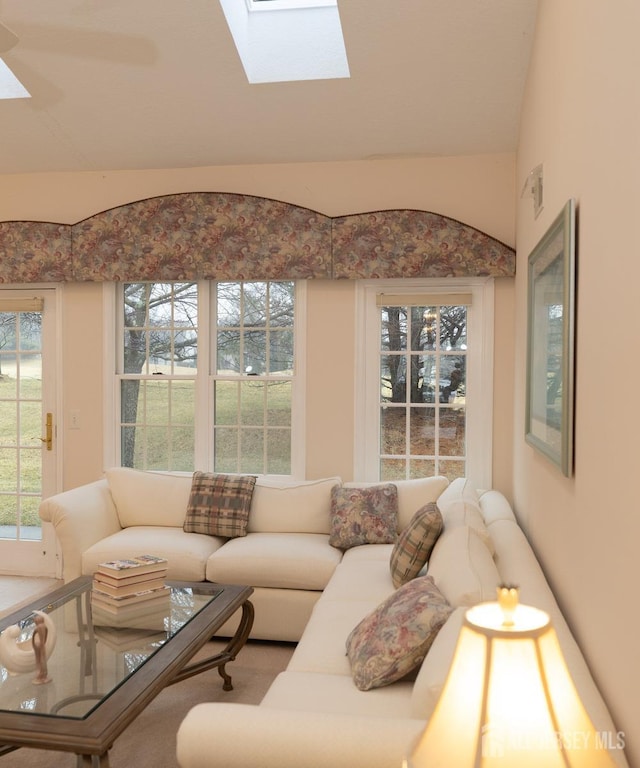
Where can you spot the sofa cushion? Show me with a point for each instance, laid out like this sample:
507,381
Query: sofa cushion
187,553
283,505
394,639
148,498
462,566
412,494
219,504
463,512
361,580
321,648
413,547
363,515
460,489
282,560
324,692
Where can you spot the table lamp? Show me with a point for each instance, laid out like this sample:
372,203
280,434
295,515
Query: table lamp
509,700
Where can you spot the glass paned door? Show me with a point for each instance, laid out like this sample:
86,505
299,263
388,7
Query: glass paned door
27,431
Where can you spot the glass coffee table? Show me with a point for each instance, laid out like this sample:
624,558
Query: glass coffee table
102,672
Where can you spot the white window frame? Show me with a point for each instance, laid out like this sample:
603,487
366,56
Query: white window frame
479,382
203,438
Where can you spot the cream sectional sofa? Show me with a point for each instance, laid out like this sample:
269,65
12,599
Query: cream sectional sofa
314,715
285,556
307,591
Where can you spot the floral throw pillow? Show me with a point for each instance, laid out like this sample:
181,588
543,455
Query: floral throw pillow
394,639
363,515
413,547
219,504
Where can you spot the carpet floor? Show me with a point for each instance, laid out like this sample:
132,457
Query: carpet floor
150,741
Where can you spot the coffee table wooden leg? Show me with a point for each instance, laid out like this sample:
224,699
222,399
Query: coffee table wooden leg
93,761
229,653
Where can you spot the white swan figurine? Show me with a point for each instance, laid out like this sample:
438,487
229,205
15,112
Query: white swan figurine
19,656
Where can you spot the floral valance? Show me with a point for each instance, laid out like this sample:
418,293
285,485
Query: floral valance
215,235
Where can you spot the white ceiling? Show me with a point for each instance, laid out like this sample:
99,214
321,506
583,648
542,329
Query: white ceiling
135,84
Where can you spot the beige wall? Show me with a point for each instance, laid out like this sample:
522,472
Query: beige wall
476,190
581,119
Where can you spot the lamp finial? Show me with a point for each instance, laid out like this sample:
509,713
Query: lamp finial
508,597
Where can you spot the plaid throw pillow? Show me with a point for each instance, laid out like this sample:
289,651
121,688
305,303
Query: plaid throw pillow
219,504
413,547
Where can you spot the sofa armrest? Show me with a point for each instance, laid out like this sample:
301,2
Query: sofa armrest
81,517
221,735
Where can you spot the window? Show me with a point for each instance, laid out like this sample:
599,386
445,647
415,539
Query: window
254,376
206,376
426,375
287,40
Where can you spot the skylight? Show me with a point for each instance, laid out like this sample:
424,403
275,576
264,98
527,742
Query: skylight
10,86
283,40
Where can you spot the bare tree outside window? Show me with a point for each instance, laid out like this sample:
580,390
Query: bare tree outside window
252,341
422,390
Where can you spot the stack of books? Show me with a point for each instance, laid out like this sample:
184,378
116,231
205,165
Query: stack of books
127,591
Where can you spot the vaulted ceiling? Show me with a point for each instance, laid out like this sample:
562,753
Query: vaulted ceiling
138,84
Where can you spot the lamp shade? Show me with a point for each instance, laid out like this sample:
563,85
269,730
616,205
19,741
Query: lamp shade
509,700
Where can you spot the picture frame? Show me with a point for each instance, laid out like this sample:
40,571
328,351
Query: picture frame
550,341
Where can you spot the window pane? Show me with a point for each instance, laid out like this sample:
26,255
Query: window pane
281,352
252,450
255,304
8,516
281,304
423,432
29,517
228,304
8,332
452,377
228,352
182,449
393,469
9,474
252,403
135,351
451,433
416,380
279,405
8,421
31,376
429,378
226,449
156,399
154,448
255,352
135,305
453,327
393,430
226,400
393,378
278,451
30,469
452,469
424,332
422,468
30,422
394,329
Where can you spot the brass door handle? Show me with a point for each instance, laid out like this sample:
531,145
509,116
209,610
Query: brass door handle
48,438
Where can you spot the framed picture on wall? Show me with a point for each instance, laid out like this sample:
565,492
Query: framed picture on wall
550,341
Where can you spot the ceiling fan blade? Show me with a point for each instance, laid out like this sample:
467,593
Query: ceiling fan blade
7,39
